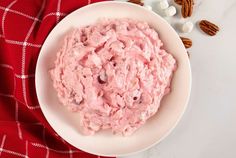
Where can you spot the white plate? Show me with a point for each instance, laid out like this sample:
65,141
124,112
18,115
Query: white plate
104,143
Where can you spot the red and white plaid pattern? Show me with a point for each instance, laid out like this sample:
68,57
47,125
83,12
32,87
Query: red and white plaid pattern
24,25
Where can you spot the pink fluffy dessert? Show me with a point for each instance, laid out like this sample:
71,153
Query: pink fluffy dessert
114,73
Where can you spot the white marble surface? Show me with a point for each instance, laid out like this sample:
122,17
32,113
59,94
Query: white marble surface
208,128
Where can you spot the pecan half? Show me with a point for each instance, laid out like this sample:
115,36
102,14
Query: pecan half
139,2
187,8
179,2
208,27
187,42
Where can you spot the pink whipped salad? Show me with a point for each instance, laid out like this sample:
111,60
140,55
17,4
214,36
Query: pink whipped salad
114,73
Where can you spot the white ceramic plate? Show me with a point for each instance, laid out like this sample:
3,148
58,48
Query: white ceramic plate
104,143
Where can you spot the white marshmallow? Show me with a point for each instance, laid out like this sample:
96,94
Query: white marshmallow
148,7
142,116
171,11
163,4
187,27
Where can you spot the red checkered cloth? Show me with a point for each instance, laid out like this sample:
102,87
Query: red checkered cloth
24,25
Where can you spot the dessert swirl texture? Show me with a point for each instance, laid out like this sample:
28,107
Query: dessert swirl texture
114,73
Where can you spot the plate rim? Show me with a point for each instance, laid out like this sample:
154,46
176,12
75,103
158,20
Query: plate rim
176,121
